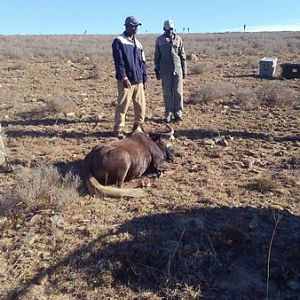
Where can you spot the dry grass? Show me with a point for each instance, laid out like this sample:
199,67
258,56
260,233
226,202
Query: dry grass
56,103
247,98
273,94
42,187
192,57
59,102
95,46
199,68
270,94
266,185
210,91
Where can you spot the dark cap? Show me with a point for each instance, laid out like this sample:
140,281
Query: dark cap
133,21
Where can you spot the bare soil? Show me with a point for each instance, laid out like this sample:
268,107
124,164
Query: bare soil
224,225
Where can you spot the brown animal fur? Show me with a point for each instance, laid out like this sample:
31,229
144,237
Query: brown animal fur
123,160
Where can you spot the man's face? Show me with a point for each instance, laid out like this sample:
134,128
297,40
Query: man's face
169,32
131,30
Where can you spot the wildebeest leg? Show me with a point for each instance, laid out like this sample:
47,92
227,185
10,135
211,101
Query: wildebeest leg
120,177
161,167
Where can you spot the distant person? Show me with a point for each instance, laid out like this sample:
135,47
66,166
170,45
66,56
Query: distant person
5,167
131,75
170,67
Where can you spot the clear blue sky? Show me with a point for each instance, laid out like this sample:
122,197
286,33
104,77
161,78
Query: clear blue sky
107,16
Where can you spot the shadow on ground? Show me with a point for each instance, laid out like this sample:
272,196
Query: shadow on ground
188,133
256,76
64,135
222,253
200,134
46,122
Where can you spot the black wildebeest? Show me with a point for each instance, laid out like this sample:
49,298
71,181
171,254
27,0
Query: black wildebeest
123,160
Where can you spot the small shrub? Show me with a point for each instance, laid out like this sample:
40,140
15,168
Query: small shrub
43,187
210,91
265,185
16,67
199,68
247,98
56,103
95,71
192,57
59,102
274,94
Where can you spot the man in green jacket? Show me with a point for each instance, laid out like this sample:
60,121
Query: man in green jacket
170,67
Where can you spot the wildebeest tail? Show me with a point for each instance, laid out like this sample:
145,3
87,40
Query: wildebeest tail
99,190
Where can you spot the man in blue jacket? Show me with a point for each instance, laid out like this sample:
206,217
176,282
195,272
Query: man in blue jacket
131,75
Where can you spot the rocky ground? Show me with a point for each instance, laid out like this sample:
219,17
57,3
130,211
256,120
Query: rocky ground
224,224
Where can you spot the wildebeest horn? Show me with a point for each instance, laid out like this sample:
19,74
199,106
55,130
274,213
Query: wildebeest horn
170,134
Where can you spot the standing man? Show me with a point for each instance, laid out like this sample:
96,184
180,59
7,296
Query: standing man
131,75
170,67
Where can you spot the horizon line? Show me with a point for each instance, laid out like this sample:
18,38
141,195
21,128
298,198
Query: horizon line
151,33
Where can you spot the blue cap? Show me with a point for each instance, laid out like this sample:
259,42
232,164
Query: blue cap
133,21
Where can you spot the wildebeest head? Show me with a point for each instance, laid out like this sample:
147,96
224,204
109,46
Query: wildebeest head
164,142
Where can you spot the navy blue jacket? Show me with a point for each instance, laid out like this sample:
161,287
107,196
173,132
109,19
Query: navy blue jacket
129,58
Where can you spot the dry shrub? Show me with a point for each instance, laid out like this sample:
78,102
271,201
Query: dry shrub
92,72
271,94
247,98
276,94
56,103
43,187
199,68
210,91
92,68
266,185
95,71
16,67
59,102
192,57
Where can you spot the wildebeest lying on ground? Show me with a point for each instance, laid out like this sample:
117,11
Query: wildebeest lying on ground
114,162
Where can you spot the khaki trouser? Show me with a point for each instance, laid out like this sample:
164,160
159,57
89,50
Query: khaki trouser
2,149
172,85
137,95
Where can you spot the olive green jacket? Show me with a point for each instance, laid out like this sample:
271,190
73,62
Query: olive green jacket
169,56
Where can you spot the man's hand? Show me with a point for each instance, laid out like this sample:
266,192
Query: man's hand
145,85
126,83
